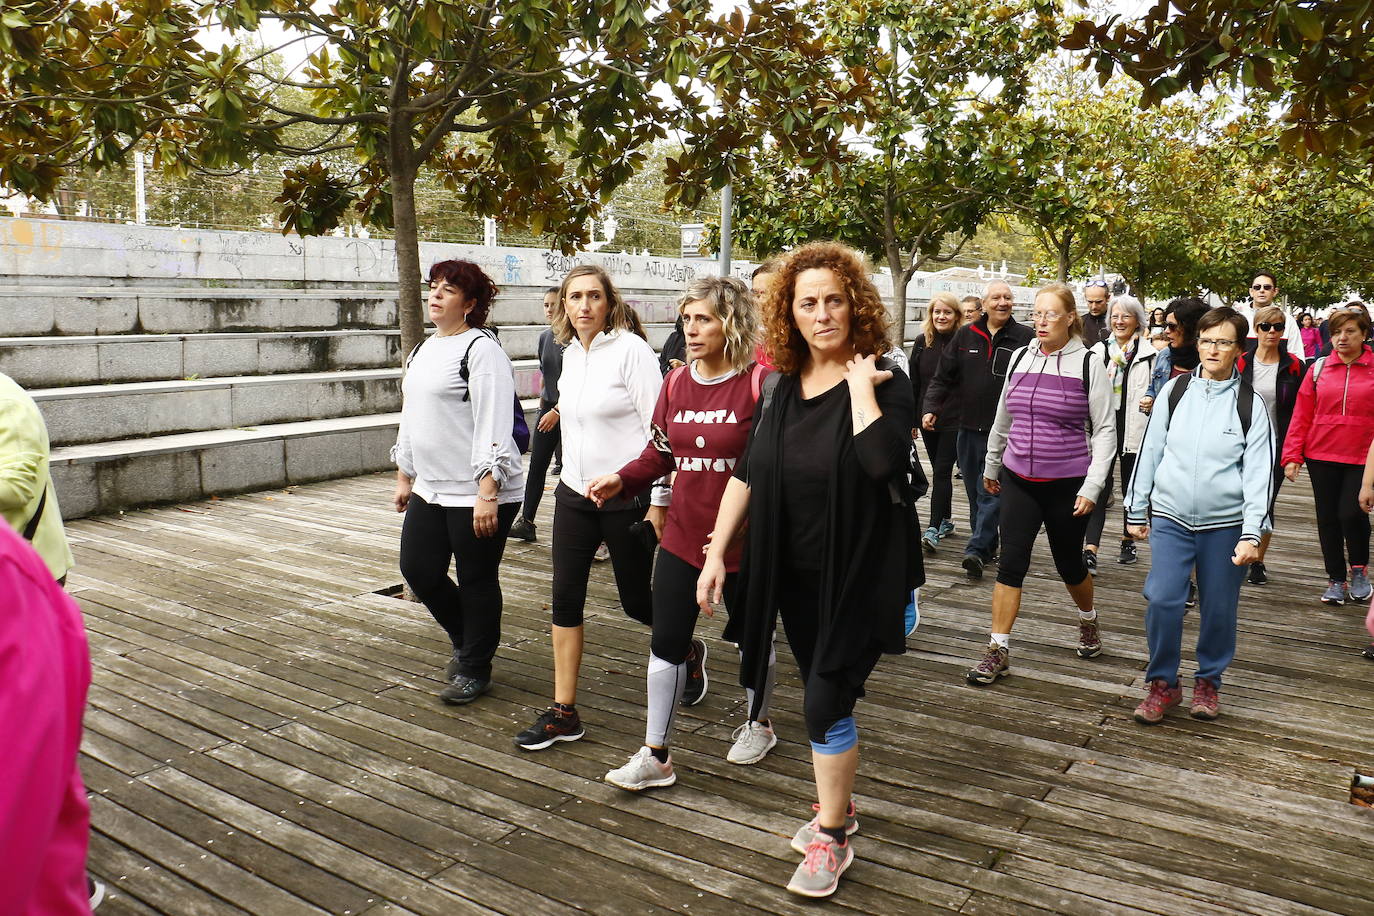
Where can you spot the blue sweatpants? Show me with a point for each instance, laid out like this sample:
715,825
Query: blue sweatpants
1174,551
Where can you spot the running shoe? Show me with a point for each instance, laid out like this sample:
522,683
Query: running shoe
1090,561
913,611
603,553
464,689
1335,593
930,540
1129,555
694,691
1192,594
819,873
973,565
753,741
996,662
1369,651
1258,574
1089,639
1205,702
1157,702
522,529
946,528
1360,588
807,834
96,890
643,771
550,727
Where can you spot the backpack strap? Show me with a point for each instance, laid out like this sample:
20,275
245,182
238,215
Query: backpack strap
1245,402
410,356
770,385
32,527
1087,369
672,381
1176,395
463,366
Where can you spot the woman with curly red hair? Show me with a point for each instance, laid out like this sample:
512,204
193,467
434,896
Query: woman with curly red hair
459,476
832,547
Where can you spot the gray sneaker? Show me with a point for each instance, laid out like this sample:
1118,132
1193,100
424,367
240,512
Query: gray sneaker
643,772
464,689
1335,593
1360,588
812,827
819,873
753,740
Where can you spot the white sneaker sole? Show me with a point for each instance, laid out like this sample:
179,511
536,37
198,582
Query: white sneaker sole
646,784
730,758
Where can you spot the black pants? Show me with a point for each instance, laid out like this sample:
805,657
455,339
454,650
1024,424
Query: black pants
675,606
578,529
1342,528
543,446
1026,506
828,698
470,610
940,448
1097,520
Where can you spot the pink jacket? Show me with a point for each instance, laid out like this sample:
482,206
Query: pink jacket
1333,419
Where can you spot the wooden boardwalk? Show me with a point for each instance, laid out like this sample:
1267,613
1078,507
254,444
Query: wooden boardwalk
263,737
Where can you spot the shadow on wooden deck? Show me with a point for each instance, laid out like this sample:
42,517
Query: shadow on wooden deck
263,737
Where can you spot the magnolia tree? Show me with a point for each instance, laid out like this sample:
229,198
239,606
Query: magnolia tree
532,111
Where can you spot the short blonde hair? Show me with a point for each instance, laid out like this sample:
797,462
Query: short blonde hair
733,304
946,299
1271,314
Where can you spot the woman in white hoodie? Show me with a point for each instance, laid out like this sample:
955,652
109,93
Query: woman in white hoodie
606,399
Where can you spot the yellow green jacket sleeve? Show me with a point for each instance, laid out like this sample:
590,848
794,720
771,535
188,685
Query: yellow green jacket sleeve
24,476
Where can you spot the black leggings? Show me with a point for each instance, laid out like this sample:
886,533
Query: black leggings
470,610
941,452
543,446
675,606
1342,527
828,698
578,529
1097,519
1026,505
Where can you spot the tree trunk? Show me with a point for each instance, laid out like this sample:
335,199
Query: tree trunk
900,278
409,304
1064,260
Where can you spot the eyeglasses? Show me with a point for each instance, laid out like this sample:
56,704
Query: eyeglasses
1216,344
1038,317
1269,325
1262,286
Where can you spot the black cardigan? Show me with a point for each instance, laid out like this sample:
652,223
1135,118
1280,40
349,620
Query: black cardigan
872,557
925,362
1291,371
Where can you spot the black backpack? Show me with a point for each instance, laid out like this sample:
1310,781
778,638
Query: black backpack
520,429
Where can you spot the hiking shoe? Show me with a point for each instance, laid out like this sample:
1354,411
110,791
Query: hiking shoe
1157,702
1089,639
1129,555
464,689
1369,651
946,529
1360,588
1192,594
603,553
753,740
819,873
643,771
930,540
1335,593
913,612
973,565
1090,561
1258,574
694,691
812,828
451,670
551,726
522,529
996,663
1205,702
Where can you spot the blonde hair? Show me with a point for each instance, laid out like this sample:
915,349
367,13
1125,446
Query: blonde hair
1064,294
733,304
928,325
1271,314
619,314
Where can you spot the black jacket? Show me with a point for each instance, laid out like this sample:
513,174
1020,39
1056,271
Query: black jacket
925,362
1096,328
1291,370
972,371
872,555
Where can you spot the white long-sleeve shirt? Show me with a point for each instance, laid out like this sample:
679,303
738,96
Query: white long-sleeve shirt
1292,333
446,444
606,399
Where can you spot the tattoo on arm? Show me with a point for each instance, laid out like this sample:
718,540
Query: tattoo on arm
863,418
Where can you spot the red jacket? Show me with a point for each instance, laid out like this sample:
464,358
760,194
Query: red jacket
1334,417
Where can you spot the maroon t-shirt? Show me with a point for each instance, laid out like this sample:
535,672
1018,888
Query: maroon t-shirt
699,430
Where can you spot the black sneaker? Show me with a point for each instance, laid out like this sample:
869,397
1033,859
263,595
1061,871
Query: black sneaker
1258,575
1090,561
973,565
522,529
1369,651
694,691
464,689
451,671
1192,594
551,726
1129,556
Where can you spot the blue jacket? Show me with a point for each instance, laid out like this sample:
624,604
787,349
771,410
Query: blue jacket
1198,470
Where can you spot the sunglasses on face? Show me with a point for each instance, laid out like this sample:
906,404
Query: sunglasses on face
1269,325
1171,325
1262,286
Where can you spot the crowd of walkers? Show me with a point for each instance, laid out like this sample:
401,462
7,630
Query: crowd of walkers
766,464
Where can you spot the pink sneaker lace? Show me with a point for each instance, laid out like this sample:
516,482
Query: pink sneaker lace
820,852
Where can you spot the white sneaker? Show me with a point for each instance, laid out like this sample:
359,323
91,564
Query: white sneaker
753,740
643,772
603,553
